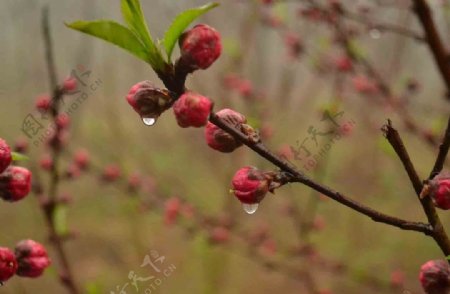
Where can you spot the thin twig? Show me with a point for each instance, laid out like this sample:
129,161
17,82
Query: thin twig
438,234
442,155
440,54
50,205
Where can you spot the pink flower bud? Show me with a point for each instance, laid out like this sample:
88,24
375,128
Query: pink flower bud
171,210
192,110
397,279
363,85
435,276
72,171
81,159
188,211
245,88
218,139
15,183
268,247
219,235
46,162
57,140
43,103
318,223
69,84
32,258
149,101
266,131
63,121
285,152
440,191
343,63
21,145
200,46
250,185
5,155
8,264
134,182
111,173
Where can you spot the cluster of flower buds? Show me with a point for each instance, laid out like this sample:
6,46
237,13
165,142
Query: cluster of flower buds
200,47
30,259
15,181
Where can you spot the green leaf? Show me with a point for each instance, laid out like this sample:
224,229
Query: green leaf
133,16
60,218
114,33
18,157
179,25
123,37
447,257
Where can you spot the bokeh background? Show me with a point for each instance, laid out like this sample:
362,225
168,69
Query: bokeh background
115,233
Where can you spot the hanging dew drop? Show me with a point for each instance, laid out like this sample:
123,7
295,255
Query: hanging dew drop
250,208
149,121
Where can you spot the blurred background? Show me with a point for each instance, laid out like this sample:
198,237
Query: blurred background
284,65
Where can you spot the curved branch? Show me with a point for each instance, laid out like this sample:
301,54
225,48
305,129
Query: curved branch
438,234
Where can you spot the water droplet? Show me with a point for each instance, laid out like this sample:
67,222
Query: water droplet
149,121
250,208
375,34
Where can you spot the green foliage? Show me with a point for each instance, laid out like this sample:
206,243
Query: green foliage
135,36
180,23
133,16
18,157
114,33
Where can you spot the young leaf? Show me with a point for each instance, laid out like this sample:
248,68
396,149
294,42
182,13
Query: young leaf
18,157
114,33
133,16
132,13
181,22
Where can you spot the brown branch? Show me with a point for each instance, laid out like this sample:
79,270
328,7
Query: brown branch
438,234
299,177
49,206
440,54
442,155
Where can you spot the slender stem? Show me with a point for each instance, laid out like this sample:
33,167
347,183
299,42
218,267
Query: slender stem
440,54
443,151
66,276
438,234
